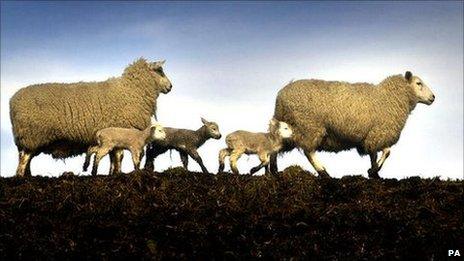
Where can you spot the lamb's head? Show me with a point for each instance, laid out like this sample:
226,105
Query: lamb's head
156,68
421,90
212,129
157,131
280,128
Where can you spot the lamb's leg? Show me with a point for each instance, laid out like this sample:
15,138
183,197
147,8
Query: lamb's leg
264,158
101,152
385,154
273,164
24,161
118,156
136,159
311,155
91,150
194,154
374,170
222,156
184,158
234,156
150,157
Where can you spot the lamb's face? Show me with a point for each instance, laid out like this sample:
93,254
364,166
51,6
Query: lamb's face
163,81
212,129
421,90
284,130
157,132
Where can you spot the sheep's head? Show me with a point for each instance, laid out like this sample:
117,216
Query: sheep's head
156,68
280,128
212,129
157,131
421,90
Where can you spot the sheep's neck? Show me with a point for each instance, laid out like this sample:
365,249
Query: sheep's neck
202,136
403,98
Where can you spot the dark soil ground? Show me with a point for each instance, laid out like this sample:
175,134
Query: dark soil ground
177,214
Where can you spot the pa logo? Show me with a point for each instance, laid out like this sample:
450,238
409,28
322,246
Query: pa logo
452,252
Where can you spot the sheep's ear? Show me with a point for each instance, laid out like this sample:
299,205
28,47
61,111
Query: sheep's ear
204,121
160,63
408,76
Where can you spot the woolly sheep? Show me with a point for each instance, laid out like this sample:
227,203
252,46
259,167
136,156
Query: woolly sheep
186,142
133,140
262,144
62,119
335,116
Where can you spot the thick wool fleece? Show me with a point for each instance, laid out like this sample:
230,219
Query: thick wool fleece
62,119
336,116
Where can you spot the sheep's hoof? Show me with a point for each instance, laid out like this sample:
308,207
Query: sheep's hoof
373,174
323,174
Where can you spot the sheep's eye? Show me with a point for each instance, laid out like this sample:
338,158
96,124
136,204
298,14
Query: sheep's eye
419,83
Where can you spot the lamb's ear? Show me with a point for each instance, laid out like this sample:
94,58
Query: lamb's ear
273,122
408,76
153,121
204,121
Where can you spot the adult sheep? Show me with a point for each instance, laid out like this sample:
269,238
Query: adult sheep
335,116
62,119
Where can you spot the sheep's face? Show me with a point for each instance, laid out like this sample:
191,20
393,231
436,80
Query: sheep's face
212,129
157,132
281,128
164,83
421,90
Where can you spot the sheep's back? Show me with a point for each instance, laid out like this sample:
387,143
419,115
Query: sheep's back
342,108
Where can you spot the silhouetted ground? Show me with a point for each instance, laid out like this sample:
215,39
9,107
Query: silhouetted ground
192,215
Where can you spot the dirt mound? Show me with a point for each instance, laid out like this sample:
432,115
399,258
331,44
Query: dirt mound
192,215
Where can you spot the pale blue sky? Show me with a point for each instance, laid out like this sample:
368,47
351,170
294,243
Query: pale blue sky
227,60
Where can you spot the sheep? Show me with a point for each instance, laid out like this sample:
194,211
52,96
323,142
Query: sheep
262,144
132,139
335,116
186,142
62,119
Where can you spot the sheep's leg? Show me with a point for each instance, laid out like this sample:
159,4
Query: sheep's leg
234,156
274,169
385,154
374,170
264,157
24,160
184,158
311,155
28,165
194,154
101,152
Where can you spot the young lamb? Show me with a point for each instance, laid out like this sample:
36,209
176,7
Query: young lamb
262,144
114,138
186,142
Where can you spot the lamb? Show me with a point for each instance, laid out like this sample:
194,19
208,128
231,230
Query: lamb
335,116
62,119
262,144
132,139
186,142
